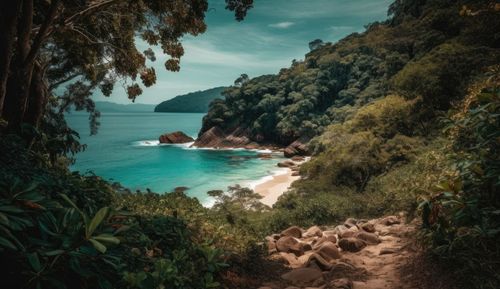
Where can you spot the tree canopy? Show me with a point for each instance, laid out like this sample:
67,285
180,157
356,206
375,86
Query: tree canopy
54,54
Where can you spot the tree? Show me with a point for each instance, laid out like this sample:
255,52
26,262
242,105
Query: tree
315,44
44,45
241,80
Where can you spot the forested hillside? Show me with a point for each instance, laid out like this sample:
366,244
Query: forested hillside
192,102
426,49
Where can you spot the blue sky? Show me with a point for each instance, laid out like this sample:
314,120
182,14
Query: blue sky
274,33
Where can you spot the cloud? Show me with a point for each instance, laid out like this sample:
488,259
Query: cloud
282,25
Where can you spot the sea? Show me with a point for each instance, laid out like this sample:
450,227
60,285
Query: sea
126,150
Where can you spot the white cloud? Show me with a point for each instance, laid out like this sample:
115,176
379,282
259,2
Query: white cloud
282,25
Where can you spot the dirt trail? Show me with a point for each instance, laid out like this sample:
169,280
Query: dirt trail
359,254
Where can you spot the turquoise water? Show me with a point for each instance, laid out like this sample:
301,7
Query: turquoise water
126,150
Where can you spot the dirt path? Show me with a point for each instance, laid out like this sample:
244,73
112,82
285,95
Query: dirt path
359,254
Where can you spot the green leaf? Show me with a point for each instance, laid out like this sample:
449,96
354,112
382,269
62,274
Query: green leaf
69,201
96,221
7,244
53,253
34,261
11,209
3,219
98,246
107,238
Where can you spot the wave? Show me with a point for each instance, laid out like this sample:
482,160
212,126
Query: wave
189,146
277,172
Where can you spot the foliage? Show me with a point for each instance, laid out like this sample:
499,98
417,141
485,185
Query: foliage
462,216
426,49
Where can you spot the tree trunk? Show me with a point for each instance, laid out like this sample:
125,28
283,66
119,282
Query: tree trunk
19,80
9,11
37,98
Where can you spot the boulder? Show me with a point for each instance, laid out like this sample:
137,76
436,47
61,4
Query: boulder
329,251
286,164
298,158
293,231
352,244
298,147
390,220
295,174
369,238
313,231
289,244
175,137
217,138
329,238
302,275
315,260
350,223
342,283
368,227
180,189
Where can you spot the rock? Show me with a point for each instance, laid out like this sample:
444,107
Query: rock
265,156
293,231
351,232
369,238
175,137
295,174
298,147
313,231
180,189
390,220
350,223
286,164
290,259
302,275
319,242
289,244
304,247
368,227
342,283
352,244
298,158
265,287
329,251
216,137
339,230
385,251
315,260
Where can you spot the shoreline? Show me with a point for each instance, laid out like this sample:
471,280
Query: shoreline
271,189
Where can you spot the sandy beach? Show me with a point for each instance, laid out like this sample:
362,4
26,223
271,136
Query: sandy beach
272,189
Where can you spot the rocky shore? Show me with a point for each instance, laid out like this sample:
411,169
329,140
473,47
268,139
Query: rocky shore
358,254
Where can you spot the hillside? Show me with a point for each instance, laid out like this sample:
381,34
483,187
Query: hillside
192,102
105,106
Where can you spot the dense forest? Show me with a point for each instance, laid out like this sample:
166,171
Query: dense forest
192,102
402,117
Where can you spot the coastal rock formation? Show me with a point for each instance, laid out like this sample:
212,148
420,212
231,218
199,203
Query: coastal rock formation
217,138
351,255
297,148
175,137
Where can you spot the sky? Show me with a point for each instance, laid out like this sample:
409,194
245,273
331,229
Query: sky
273,34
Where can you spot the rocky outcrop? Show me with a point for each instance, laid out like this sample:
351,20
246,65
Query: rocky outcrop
175,137
297,148
217,138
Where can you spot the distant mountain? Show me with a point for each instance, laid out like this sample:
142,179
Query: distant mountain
106,106
192,102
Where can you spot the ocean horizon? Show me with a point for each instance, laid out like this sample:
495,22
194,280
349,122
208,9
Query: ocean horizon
126,150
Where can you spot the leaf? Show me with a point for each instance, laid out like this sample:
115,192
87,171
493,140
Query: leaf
107,238
96,221
34,261
122,229
11,209
98,246
7,244
69,201
53,253
3,219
